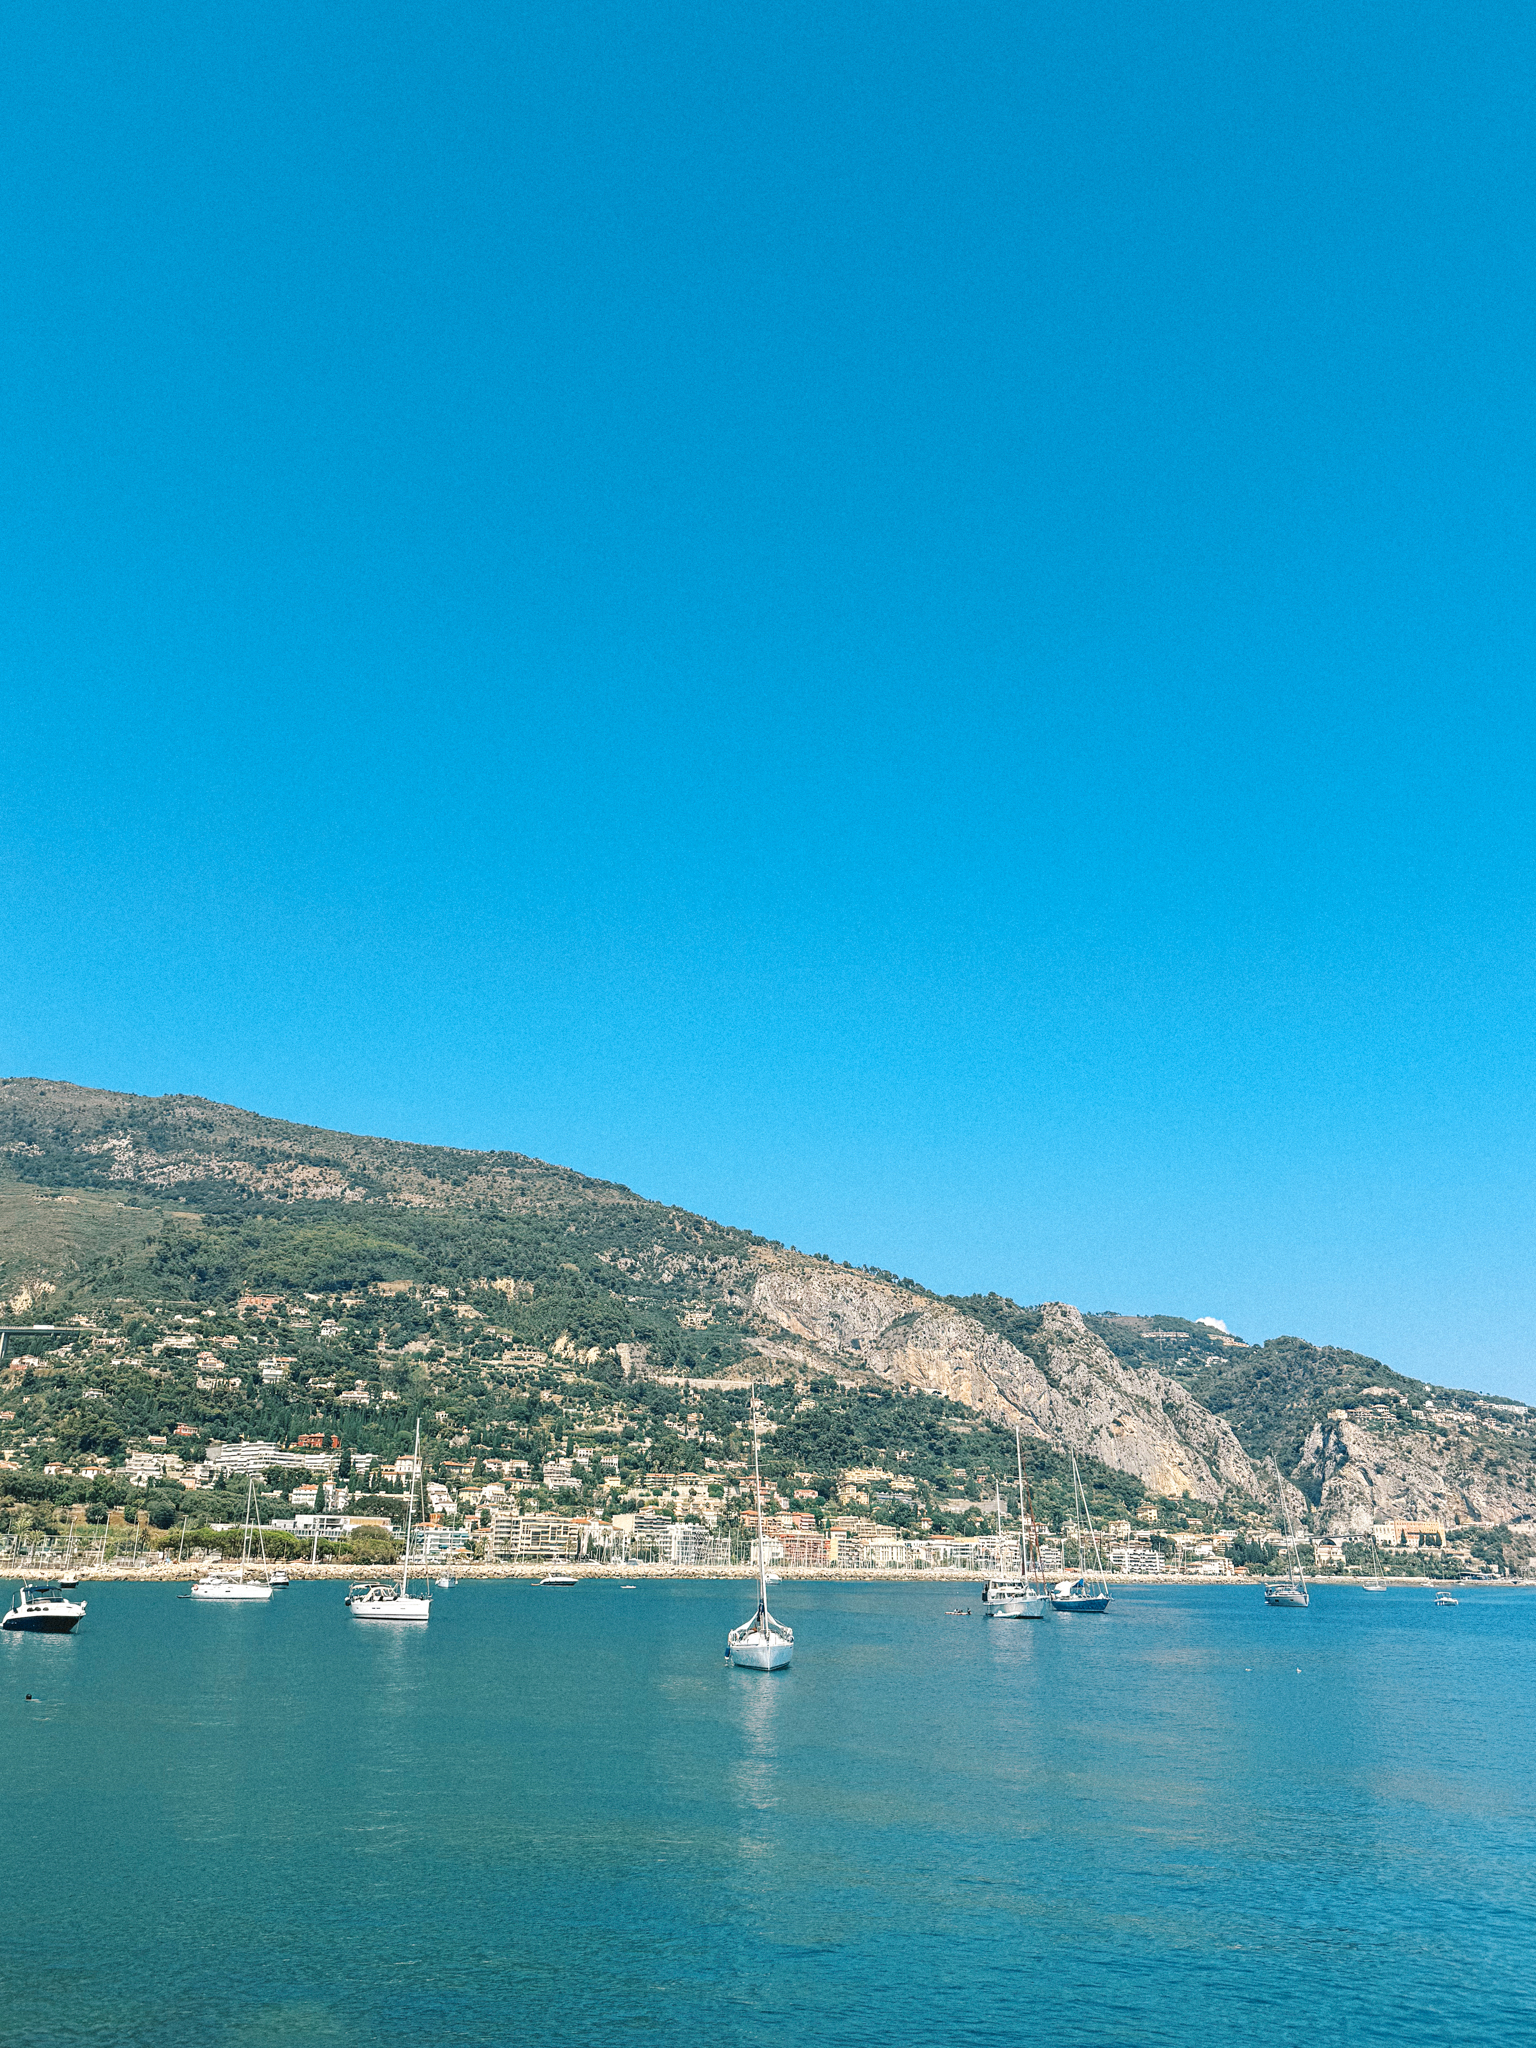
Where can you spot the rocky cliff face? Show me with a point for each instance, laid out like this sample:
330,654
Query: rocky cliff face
1065,1387
1451,1464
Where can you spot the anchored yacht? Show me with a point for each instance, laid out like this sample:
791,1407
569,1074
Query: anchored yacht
1016,1599
39,1610
1291,1591
387,1601
224,1584
761,1644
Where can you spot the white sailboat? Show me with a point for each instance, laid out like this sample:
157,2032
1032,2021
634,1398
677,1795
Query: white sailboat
1291,1591
224,1584
1376,1583
389,1602
1088,1593
761,1644
1003,1599
69,1578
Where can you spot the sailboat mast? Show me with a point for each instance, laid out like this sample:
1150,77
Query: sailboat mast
410,1509
1018,1453
757,1488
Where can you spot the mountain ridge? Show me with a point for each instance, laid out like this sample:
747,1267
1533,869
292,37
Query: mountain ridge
175,1203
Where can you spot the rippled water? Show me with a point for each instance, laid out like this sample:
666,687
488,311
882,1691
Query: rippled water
561,1818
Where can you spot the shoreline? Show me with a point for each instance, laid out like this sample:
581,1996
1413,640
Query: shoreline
947,1575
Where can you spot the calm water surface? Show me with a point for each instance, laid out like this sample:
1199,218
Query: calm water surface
561,1818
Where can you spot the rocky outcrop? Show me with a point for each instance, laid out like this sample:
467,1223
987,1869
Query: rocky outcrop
1362,1475
1066,1388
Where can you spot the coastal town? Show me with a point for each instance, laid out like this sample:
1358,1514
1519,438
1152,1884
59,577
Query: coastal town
116,1446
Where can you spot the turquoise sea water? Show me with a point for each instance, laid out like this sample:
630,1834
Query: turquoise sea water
561,1818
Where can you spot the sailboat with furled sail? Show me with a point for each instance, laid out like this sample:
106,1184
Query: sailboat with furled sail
1016,1599
1291,1591
761,1644
1088,1593
243,1583
388,1602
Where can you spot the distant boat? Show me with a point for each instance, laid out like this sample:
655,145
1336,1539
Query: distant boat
447,1580
1088,1593
277,1578
386,1601
38,1611
559,1579
1291,1591
761,1644
223,1584
1374,1584
69,1577
1442,1600
1002,1599
1015,1599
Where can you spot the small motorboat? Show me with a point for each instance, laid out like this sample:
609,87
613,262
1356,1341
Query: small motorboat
39,1611
445,1581
277,1578
560,1579
626,1589
1446,1600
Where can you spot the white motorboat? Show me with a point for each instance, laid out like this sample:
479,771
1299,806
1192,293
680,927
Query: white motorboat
278,1578
1441,1600
445,1581
559,1579
1291,1591
37,1610
386,1601
241,1583
761,1644
1003,1599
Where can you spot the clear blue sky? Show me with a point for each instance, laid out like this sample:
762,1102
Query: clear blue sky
908,625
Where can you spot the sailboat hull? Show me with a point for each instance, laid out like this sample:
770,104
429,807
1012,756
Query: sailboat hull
1286,1596
231,1589
761,1653
408,1609
1087,1603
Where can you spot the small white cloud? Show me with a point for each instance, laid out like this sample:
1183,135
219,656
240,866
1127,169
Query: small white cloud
1213,1323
